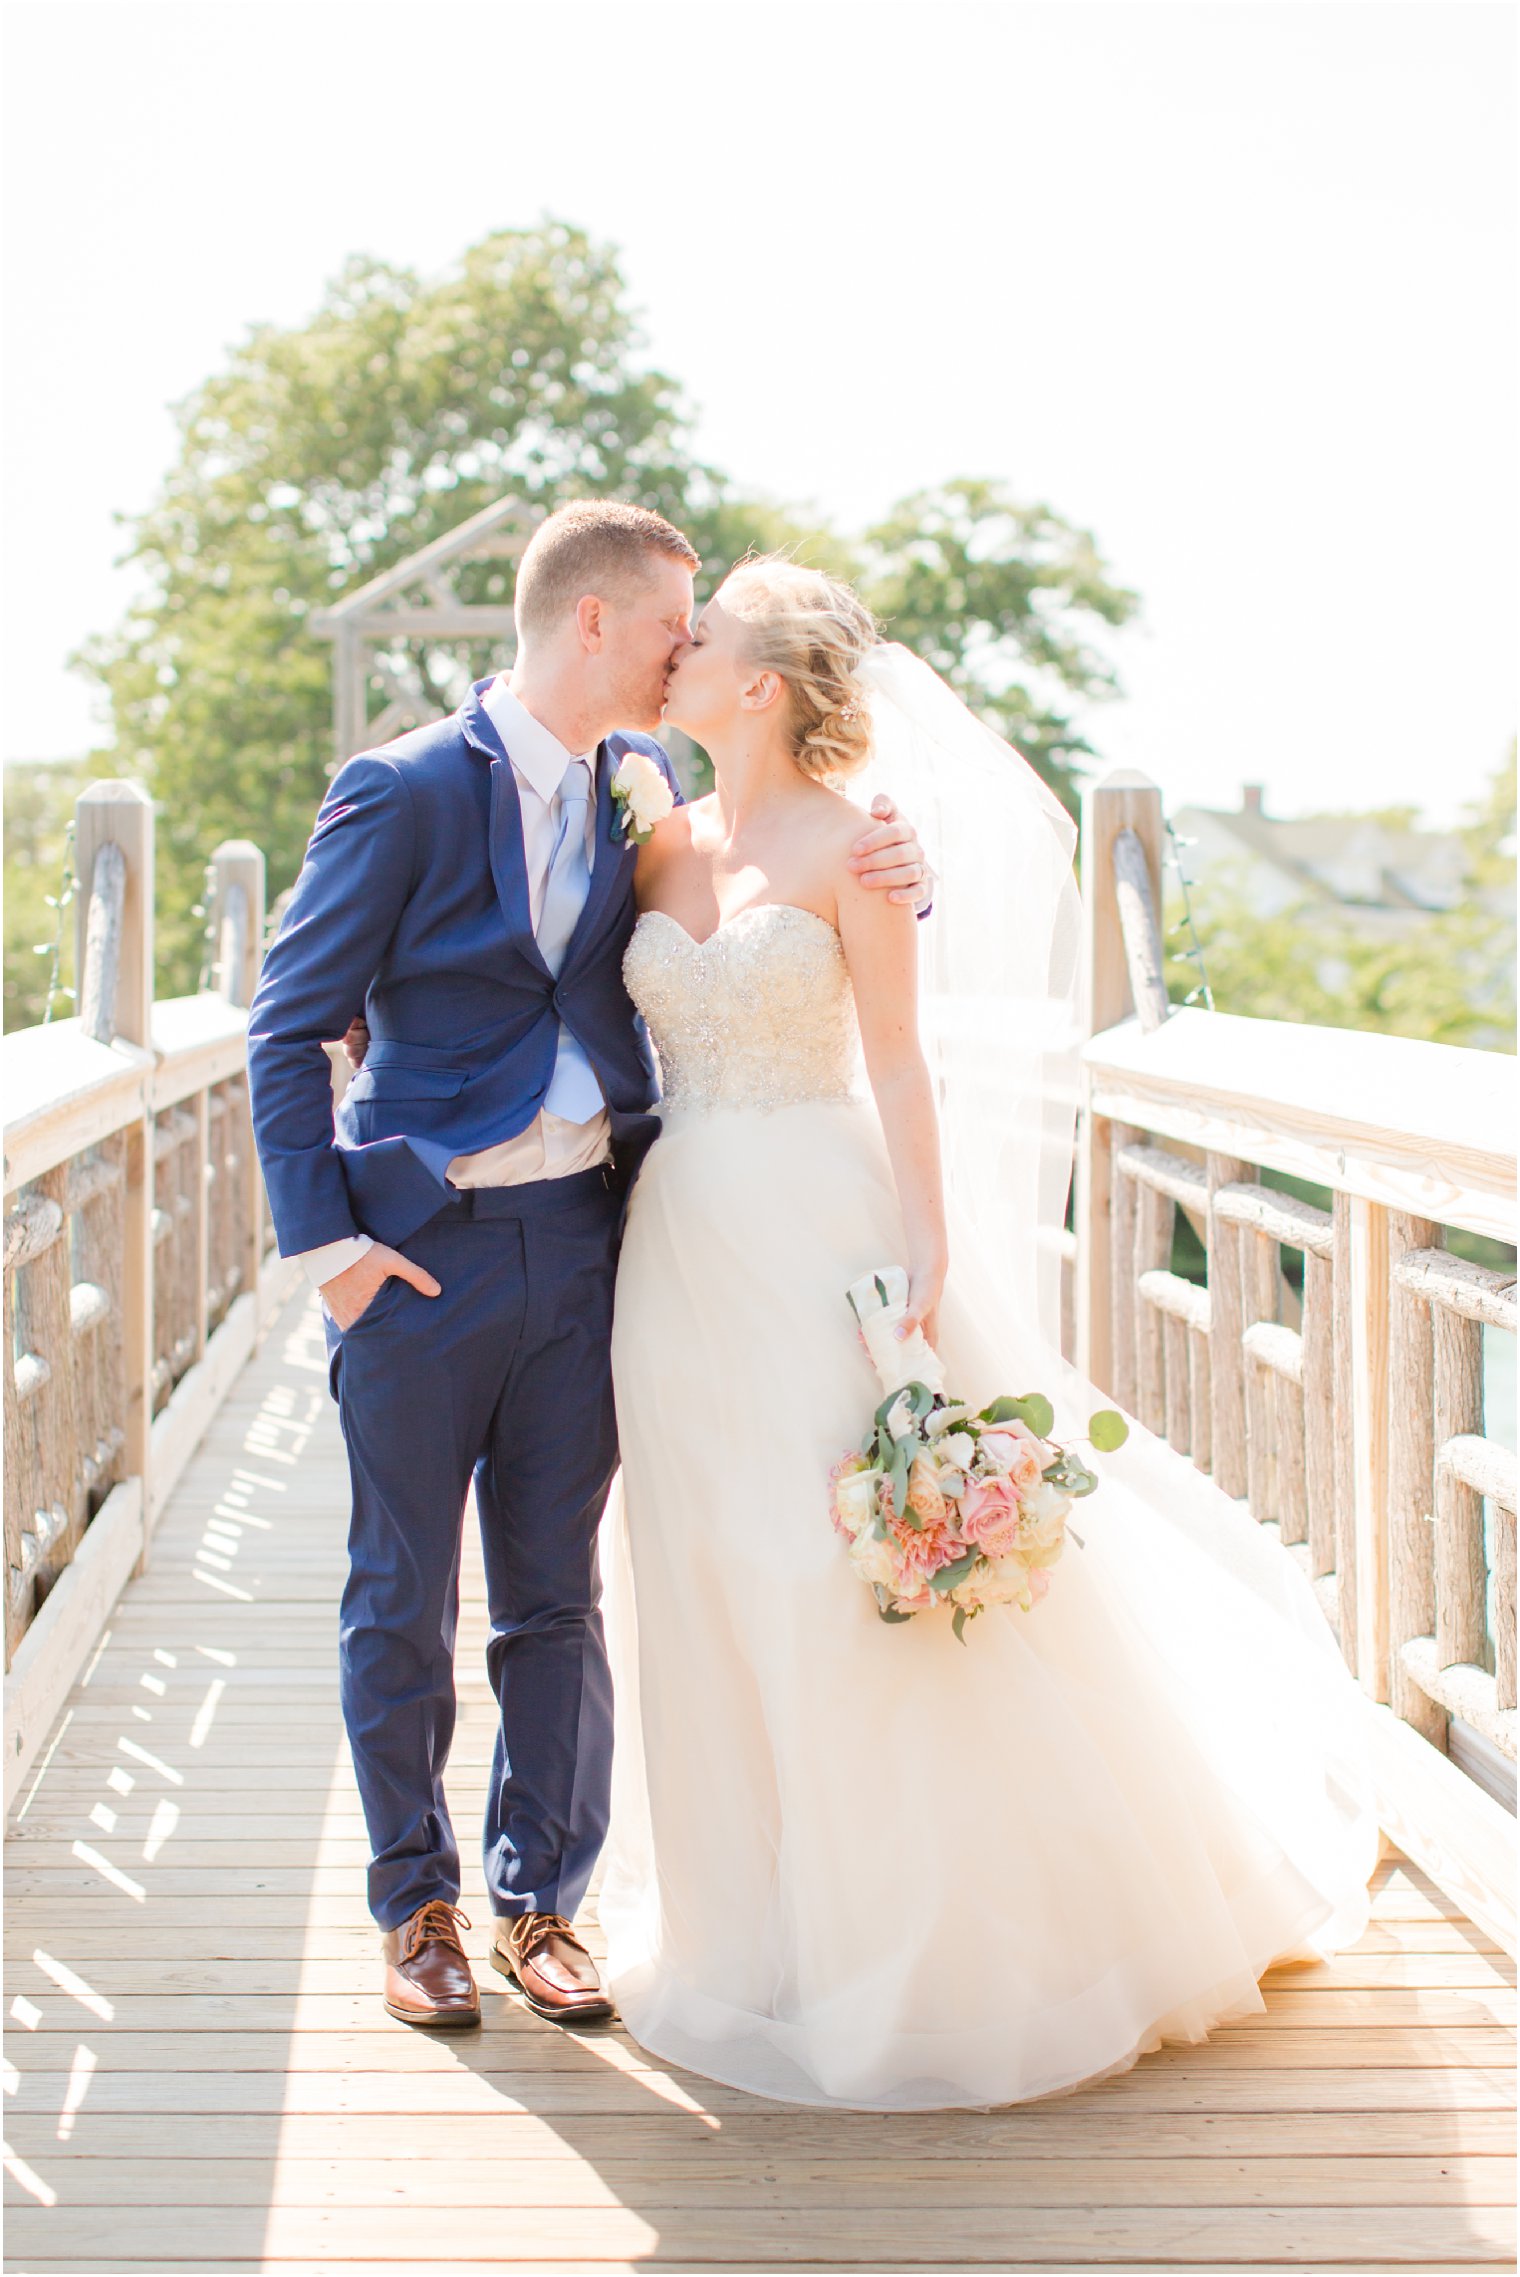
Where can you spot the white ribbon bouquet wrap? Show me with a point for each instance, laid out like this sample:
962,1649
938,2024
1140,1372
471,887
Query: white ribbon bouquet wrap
942,1506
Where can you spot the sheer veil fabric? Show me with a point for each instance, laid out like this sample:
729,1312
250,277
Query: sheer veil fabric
863,1865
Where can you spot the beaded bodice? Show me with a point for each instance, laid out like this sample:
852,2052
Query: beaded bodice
760,1014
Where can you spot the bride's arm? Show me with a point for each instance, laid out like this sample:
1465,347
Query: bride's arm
881,949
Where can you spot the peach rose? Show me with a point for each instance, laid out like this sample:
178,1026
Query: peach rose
1018,1455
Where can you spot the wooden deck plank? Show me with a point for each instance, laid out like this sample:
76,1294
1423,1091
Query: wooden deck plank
624,2095
726,2179
342,1963
233,2017
438,2236
919,2141
202,2077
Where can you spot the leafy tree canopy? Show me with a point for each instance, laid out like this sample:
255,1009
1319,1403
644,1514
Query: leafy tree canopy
323,455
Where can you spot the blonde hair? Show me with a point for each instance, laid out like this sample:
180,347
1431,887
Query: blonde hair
598,545
814,632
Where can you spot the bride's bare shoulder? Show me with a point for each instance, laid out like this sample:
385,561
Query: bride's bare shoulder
669,842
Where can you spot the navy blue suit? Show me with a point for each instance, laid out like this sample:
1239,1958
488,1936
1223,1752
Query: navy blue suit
412,908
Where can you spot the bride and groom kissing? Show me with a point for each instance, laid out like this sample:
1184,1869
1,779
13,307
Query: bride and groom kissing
583,1223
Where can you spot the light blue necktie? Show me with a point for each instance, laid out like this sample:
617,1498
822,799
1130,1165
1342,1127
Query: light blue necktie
573,1089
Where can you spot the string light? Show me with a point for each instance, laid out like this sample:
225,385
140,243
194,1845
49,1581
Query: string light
1193,953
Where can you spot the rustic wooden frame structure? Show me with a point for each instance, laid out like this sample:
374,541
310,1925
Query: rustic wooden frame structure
416,600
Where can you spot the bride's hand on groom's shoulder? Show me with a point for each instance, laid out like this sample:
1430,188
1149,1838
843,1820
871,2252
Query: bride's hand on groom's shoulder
350,1294
890,858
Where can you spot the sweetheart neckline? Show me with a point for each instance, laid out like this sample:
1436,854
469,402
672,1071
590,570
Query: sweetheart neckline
749,910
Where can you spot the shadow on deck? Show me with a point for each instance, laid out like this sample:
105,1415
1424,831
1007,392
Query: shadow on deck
201,2075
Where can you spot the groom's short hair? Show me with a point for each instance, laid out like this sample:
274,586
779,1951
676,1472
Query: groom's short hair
598,545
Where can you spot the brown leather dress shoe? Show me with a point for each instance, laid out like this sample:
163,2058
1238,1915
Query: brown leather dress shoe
541,1954
427,1972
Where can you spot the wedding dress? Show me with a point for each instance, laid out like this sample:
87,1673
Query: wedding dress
866,1864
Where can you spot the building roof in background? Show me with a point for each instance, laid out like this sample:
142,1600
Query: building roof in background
1366,861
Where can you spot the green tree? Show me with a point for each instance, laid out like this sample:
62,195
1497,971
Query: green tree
325,454
1004,600
320,457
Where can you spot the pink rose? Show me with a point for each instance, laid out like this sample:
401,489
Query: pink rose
989,1515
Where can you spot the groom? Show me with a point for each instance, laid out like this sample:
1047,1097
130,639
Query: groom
468,890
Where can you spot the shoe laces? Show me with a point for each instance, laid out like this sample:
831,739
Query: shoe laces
437,1921
534,1928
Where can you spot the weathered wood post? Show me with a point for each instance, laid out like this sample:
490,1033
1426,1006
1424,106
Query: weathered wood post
1411,1476
1461,1569
1368,1290
237,904
238,909
118,989
1124,800
1227,1360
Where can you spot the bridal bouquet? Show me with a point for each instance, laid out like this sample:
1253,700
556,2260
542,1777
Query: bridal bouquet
943,1505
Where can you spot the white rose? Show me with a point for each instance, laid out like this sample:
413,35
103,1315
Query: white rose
901,1420
640,783
945,1419
1047,1505
855,1498
1004,1583
874,1559
957,1449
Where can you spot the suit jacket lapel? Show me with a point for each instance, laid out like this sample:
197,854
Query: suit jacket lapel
509,868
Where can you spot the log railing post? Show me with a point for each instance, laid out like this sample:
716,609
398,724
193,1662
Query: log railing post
1368,1293
1411,1474
1227,1360
237,869
121,814
1461,1569
238,904
1123,1268
1124,800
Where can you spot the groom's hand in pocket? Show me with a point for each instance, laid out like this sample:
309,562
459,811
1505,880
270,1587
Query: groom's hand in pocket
350,1294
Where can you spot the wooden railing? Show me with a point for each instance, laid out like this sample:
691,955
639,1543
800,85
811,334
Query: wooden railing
1328,1369
138,1258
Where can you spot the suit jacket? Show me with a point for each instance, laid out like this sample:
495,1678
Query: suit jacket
412,908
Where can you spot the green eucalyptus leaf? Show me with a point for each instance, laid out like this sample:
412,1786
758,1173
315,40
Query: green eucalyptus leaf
951,1576
1107,1430
958,1625
1035,1410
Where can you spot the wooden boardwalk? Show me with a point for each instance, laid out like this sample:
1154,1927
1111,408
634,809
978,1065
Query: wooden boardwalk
201,2078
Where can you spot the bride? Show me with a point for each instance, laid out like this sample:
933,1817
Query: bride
862,1864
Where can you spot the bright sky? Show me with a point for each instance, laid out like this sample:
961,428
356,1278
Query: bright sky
1235,284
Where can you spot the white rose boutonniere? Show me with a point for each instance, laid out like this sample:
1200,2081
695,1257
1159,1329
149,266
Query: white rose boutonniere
643,794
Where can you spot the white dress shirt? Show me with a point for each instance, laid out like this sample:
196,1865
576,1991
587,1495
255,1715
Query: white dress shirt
550,1147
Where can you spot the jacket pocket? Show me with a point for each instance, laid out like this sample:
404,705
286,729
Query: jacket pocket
376,1085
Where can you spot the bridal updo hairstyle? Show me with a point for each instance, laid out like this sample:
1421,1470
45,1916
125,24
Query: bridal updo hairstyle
812,631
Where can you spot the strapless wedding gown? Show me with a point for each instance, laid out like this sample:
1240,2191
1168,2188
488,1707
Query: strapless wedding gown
868,1865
